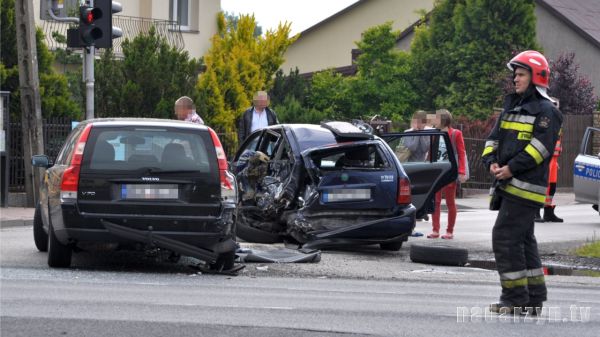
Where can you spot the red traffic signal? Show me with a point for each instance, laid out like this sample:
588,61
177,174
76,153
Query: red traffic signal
88,31
89,15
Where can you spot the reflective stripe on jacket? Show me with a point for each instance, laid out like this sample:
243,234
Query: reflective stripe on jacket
524,138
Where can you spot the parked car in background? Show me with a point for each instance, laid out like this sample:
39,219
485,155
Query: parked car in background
138,182
586,170
336,184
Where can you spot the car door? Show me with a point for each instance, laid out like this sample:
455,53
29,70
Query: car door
586,170
428,159
250,144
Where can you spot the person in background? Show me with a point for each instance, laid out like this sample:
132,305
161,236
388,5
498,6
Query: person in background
418,146
185,110
444,123
256,117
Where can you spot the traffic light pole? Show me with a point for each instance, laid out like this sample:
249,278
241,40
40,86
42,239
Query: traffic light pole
88,63
88,66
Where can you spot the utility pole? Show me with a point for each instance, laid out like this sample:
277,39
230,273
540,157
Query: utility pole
31,105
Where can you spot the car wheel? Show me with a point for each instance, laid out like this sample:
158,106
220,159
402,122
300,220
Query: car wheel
59,255
40,237
225,261
391,246
251,234
439,254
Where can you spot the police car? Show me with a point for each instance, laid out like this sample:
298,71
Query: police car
586,171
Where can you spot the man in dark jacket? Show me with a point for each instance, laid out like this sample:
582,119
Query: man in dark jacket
517,153
257,117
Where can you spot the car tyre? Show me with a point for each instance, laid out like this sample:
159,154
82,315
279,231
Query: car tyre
251,234
225,261
391,246
439,254
40,237
59,255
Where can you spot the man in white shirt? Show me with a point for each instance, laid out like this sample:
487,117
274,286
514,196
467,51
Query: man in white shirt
256,117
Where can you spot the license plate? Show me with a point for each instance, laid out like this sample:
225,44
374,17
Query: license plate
150,192
346,194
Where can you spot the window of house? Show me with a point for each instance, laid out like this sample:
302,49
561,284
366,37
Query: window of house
180,12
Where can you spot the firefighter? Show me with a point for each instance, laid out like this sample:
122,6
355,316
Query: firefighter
517,153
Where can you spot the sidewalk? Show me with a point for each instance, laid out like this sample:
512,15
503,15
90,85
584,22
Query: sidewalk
21,216
16,216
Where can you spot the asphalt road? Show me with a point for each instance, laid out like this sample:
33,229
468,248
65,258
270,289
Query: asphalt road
368,292
44,302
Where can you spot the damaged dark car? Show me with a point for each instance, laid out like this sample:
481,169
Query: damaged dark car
337,184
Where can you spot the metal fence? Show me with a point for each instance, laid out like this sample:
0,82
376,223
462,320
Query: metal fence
573,130
55,132
130,25
479,176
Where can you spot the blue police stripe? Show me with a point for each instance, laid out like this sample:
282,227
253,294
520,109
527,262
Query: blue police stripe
587,171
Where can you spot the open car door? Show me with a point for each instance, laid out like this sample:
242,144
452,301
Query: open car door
428,159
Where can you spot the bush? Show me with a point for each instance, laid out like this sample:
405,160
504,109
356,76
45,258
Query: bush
574,91
291,111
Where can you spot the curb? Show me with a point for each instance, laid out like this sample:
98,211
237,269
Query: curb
549,269
16,223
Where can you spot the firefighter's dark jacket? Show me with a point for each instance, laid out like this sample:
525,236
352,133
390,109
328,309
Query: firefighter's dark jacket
244,123
524,138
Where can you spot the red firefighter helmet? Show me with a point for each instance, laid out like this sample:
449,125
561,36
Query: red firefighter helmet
534,62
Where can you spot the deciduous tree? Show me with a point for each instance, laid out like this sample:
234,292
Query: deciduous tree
146,81
574,91
461,55
54,91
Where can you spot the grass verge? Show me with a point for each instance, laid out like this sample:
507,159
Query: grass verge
589,250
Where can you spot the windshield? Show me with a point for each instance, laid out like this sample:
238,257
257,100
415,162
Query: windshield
150,149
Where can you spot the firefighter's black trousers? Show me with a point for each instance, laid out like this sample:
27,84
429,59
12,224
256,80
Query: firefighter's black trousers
517,257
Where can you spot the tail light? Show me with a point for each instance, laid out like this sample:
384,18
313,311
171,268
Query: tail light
70,178
404,196
228,184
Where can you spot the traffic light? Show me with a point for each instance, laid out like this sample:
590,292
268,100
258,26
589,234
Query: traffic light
95,26
89,32
106,8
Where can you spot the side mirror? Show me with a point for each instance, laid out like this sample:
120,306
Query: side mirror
40,160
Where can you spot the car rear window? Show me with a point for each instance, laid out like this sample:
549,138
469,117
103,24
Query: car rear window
160,149
355,157
313,137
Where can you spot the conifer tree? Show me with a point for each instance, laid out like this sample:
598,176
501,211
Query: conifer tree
237,65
